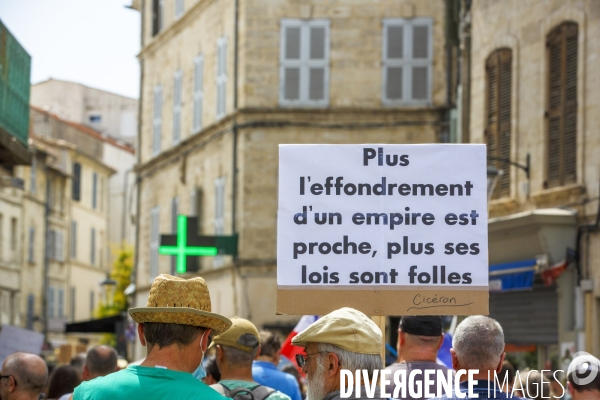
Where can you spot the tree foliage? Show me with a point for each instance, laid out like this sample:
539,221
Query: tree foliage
121,273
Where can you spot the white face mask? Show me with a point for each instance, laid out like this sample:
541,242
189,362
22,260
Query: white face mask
200,372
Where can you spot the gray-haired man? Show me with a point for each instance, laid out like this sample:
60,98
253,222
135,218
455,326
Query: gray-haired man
478,344
23,376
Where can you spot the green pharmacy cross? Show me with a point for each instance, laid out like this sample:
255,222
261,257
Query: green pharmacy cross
186,244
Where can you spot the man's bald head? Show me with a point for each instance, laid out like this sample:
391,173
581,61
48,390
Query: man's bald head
101,361
28,370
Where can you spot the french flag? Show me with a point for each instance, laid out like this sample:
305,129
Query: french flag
287,348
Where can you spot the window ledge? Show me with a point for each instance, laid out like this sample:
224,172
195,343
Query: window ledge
502,207
559,196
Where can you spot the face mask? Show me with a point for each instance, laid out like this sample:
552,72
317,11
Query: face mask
200,372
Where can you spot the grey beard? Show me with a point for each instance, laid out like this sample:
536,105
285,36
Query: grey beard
316,384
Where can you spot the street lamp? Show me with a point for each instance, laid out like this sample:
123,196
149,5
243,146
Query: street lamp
108,287
492,177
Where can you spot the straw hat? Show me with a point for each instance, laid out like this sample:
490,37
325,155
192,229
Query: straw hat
174,300
347,328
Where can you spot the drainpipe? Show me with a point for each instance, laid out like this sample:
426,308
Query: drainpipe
46,254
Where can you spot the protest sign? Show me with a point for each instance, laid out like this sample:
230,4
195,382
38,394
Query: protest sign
13,339
385,229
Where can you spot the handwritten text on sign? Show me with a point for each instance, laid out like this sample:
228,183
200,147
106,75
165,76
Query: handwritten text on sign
382,215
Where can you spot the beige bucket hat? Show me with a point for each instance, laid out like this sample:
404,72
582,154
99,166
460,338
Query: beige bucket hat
174,300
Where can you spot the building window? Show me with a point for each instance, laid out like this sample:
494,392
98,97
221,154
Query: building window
50,302
73,239
221,76
304,63
154,241
498,115
561,111
198,93
94,190
174,212
407,61
30,311
177,87
92,303
76,184
157,16
61,303
33,174
56,245
31,245
178,8
95,119
72,310
157,120
93,247
13,234
219,215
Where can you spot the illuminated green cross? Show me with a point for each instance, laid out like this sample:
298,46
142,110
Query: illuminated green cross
188,243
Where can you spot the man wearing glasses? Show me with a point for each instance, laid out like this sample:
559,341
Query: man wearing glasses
23,377
343,339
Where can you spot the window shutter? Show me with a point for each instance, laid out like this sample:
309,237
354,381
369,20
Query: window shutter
94,190
561,115
420,72
50,302
31,244
198,93
220,206
30,310
407,61
73,239
304,59
92,302
498,116
570,96
61,303
177,87
154,241
157,120
221,76
72,303
33,182
93,247
174,212
50,245
76,184
60,246
316,86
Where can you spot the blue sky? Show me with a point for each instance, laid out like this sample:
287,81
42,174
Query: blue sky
94,42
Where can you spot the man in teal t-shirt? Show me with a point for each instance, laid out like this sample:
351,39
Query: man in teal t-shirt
236,349
175,327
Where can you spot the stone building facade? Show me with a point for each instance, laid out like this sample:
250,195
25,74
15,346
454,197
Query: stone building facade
534,99
225,82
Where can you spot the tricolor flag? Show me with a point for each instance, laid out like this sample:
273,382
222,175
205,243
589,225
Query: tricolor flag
288,349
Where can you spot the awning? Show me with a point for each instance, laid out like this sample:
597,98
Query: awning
101,325
512,276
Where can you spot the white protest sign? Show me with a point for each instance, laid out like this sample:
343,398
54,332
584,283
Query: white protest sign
13,339
388,229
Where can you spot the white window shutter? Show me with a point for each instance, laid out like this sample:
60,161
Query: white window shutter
73,239
198,93
304,63
177,88
31,244
178,8
154,242
50,301
61,303
221,77
220,206
407,61
60,256
157,120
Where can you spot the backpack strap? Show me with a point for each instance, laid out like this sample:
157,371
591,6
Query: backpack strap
261,392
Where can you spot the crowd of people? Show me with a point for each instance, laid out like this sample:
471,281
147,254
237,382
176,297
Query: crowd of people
197,354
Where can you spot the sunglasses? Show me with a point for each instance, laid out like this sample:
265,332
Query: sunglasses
302,358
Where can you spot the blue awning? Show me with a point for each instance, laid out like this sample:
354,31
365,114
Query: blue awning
512,276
